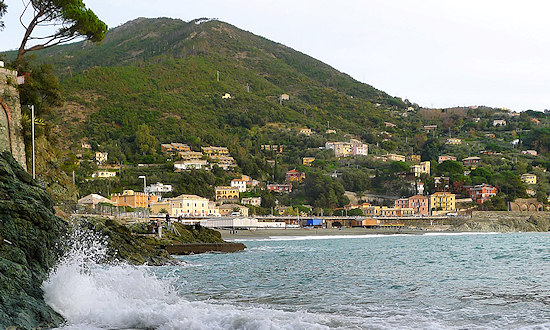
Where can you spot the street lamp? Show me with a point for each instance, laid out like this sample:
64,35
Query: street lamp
144,181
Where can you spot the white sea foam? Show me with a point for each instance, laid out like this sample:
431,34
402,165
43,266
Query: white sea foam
90,295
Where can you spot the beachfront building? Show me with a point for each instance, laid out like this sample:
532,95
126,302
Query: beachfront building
442,202
529,178
418,203
183,205
134,199
295,176
92,200
481,193
230,209
226,193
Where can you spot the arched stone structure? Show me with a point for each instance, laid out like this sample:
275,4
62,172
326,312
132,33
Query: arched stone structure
11,133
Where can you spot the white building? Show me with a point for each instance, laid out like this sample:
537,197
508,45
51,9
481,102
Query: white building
102,174
195,164
101,157
158,188
255,201
499,122
240,184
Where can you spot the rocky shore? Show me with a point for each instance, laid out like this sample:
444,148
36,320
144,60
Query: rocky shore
29,233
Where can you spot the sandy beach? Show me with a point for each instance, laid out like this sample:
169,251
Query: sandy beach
266,233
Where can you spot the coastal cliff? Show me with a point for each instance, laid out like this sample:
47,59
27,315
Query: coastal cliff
29,232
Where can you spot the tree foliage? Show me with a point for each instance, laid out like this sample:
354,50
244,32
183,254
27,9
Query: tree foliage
71,16
3,9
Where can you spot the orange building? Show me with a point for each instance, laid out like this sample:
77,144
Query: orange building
295,175
134,199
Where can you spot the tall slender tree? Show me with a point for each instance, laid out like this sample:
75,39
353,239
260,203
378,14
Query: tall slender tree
3,9
71,17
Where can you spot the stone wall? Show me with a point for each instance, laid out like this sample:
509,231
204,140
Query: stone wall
11,131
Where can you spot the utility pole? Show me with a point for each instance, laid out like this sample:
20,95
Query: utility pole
32,137
218,76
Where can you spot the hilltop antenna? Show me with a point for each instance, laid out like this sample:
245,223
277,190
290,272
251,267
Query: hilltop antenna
247,88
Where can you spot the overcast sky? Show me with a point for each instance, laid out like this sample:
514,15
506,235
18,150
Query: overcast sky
433,52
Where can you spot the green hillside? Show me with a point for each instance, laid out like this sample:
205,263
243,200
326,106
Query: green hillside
154,81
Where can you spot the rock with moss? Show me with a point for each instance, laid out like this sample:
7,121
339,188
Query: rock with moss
29,232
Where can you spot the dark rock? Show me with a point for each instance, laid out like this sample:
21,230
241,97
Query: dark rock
29,232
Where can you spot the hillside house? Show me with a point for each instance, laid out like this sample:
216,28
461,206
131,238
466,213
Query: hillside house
359,148
226,193
284,97
190,155
272,147
196,164
430,128
226,96
422,168
341,149
295,176
214,152
101,157
240,184
305,131
453,141
413,158
481,193
529,178
441,159
529,152
158,188
388,124
174,147
471,161
103,174
395,157
280,188
254,201
499,122
307,161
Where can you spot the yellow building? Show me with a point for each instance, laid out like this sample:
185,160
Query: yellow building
453,141
308,160
529,178
134,199
442,202
214,152
395,158
422,168
305,131
184,205
413,158
227,193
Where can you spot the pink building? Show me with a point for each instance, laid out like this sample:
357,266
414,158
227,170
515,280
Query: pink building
418,203
286,188
441,159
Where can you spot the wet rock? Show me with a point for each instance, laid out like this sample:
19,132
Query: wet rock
29,232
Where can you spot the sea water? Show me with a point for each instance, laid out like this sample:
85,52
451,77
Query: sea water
459,281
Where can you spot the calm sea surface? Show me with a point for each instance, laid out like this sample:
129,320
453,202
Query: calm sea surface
461,281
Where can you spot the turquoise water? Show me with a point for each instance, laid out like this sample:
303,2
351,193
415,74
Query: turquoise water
454,281
463,281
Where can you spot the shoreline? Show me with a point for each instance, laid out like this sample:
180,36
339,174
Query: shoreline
230,235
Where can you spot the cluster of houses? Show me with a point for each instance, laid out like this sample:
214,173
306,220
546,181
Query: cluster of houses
204,159
344,149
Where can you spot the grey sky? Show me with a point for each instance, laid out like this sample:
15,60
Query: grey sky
437,53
